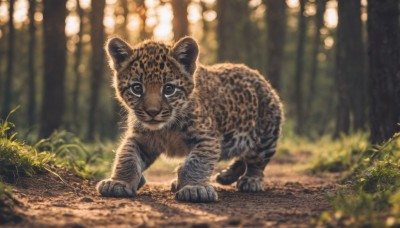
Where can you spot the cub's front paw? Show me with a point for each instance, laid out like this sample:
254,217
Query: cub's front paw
250,184
197,194
115,188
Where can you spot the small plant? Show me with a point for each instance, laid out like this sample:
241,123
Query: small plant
70,152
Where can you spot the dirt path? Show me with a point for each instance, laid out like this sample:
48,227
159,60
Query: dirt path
291,198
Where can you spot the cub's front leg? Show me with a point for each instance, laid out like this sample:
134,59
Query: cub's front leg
126,177
193,184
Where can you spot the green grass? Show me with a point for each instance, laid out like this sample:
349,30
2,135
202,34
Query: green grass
370,195
339,155
325,154
16,158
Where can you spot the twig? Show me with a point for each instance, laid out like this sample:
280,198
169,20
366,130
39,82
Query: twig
62,180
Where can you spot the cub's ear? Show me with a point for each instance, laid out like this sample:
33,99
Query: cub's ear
118,51
186,51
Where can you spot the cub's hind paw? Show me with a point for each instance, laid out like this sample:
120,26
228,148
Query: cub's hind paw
226,178
232,173
141,182
174,186
197,194
250,184
115,188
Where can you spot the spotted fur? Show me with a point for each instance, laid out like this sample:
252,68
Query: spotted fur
214,113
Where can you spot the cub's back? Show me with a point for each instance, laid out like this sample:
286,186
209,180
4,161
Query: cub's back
238,98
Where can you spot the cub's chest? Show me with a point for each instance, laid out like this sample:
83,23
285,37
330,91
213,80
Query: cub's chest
175,144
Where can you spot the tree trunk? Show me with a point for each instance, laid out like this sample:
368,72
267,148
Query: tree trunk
341,72
10,63
384,62
349,67
54,15
356,64
180,20
97,62
31,64
319,24
276,30
249,31
298,91
233,17
78,59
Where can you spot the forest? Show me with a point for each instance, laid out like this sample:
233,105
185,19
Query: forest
334,63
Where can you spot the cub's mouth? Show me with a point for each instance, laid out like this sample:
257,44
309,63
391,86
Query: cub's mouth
154,124
153,121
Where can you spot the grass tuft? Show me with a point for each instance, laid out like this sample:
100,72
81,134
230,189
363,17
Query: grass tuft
16,158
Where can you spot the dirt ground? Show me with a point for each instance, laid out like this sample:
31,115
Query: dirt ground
292,198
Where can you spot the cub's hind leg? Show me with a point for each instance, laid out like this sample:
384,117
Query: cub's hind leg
232,173
252,180
267,132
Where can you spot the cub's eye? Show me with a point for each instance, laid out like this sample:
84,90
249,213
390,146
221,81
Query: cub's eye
169,90
137,89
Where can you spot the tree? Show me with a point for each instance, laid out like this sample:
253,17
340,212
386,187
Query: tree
298,78
97,62
31,64
319,23
276,30
54,15
10,63
384,62
78,59
180,20
357,72
232,31
349,67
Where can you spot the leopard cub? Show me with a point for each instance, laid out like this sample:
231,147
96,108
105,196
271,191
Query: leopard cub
181,108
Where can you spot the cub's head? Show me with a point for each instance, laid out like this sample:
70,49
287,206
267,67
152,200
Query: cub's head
154,80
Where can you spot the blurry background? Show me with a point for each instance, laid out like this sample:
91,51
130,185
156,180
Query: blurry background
314,52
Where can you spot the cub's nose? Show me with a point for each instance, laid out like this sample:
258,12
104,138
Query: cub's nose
153,111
